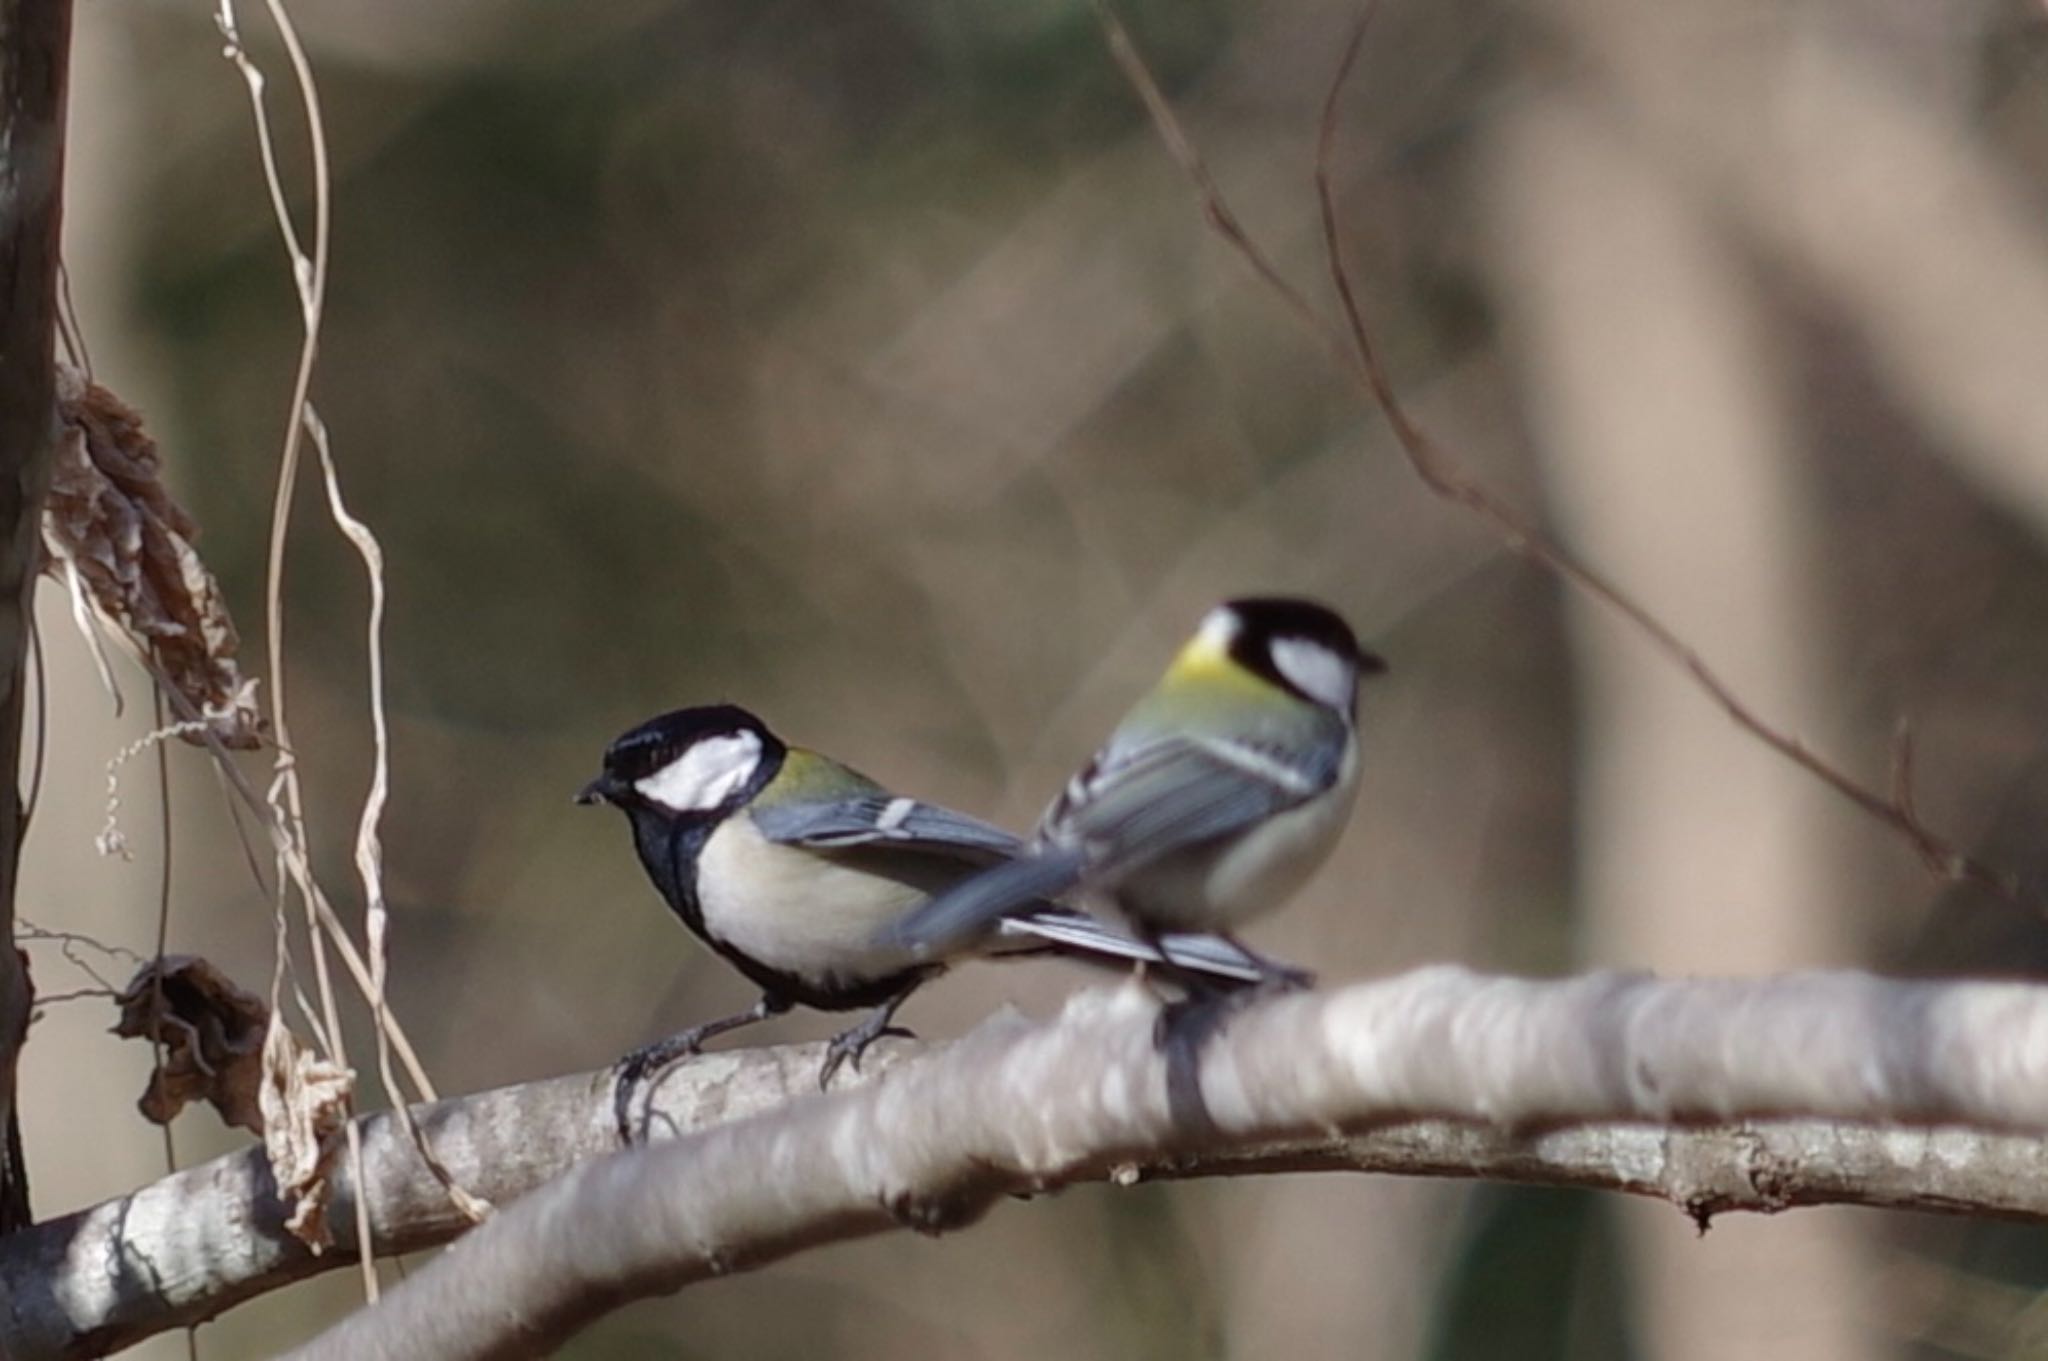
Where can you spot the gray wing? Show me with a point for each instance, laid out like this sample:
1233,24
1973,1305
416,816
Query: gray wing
882,821
1133,807
1125,809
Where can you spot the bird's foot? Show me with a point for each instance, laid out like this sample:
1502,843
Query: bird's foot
849,1045
1185,1029
647,1060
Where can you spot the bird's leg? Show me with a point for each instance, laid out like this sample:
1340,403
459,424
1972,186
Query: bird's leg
1210,1003
851,1044
652,1058
1185,1027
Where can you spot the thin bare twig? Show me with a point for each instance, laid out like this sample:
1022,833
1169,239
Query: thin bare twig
69,332
51,999
68,944
38,670
166,835
1438,470
111,839
1442,474
1215,209
297,867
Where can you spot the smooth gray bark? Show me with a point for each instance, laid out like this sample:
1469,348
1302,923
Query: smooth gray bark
1849,1089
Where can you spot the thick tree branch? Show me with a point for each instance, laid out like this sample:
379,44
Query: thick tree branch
185,1248
1015,1107
1861,1082
35,43
1323,1082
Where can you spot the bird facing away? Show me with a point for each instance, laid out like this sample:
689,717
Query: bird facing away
1218,794
792,867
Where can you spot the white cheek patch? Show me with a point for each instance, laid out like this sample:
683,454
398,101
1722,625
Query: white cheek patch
1316,671
705,775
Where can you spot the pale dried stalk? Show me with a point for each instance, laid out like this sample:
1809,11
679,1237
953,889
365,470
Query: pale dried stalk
310,276
369,851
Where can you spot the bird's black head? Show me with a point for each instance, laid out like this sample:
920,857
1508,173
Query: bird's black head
690,763
1300,645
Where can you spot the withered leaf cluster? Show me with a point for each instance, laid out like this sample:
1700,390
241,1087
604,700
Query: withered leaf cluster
110,514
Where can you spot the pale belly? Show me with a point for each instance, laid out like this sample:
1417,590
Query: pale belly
809,914
1219,887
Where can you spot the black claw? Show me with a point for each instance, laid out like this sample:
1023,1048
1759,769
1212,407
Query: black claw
622,1106
638,1065
850,1046
654,1057
833,1058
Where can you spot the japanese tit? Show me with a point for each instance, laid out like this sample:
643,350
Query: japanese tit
1212,801
793,867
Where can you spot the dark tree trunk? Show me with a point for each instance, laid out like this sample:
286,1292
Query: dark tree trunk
35,43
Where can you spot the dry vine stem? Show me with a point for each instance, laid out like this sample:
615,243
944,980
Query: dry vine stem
309,272
1353,349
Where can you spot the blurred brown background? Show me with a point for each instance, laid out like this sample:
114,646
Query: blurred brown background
870,365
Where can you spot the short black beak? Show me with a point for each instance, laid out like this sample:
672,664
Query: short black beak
599,790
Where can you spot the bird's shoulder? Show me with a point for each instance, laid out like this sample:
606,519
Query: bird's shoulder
822,804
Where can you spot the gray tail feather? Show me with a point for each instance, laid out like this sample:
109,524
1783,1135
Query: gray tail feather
1211,955
953,919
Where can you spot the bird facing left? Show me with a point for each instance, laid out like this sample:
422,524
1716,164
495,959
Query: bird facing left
793,867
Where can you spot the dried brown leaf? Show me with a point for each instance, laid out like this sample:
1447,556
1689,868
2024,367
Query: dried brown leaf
210,1033
110,514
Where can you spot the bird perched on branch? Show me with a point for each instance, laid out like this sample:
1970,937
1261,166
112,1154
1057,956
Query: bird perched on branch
792,866
1212,801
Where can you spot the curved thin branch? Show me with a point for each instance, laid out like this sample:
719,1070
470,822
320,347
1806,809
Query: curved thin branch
1353,349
